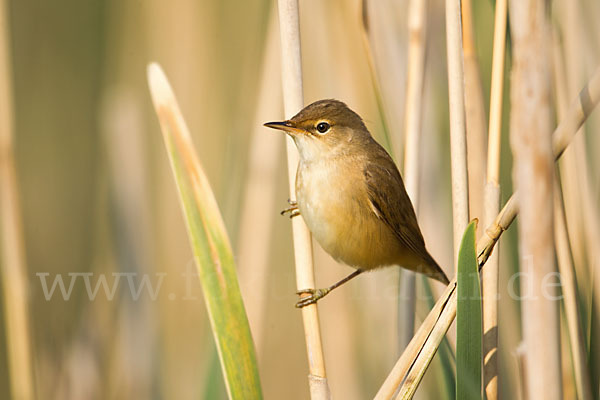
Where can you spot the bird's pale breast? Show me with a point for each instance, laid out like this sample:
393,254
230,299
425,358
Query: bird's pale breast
333,201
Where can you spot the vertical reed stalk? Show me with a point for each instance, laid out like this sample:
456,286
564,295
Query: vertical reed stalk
458,140
474,114
569,291
489,281
496,95
293,101
533,174
417,36
12,263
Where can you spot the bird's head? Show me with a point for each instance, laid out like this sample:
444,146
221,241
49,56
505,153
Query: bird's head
324,128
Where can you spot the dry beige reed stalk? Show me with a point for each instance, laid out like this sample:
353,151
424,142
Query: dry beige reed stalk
533,174
417,34
291,66
489,276
496,92
458,144
474,115
12,247
568,282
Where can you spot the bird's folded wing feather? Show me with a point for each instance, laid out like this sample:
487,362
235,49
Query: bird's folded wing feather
391,204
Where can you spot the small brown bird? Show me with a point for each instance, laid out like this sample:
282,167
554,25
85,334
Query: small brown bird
351,195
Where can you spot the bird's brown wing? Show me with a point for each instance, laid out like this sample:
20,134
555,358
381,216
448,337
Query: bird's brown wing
392,205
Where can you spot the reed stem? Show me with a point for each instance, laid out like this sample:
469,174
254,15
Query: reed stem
291,67
489,276
533,174
475,117
458,139
496,95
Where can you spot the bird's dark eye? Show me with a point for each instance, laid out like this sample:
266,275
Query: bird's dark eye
322,127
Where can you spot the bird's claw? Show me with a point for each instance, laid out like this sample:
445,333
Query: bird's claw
294,213
313,296
293,210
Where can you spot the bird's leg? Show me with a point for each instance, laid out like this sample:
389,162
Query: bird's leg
293,209
316,294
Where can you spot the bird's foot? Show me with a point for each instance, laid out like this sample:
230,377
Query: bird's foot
293,209
313,296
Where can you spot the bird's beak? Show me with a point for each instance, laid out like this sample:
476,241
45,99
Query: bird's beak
286,126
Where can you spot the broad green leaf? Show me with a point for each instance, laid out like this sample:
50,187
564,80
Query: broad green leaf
469,329
211,247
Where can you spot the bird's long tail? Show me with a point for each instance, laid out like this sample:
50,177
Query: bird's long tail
433,270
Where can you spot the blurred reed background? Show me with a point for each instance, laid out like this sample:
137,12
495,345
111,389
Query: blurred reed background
97,196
